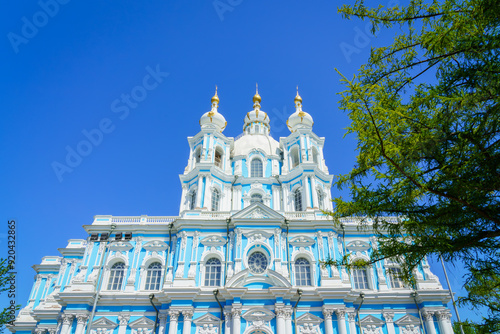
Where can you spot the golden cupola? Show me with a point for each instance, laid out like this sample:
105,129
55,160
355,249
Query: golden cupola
256,121
299,119
212,119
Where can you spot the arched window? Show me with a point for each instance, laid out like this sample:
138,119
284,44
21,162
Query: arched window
256,168
321,200
294,153
192,200
197,154
218,157
212,272
153,276
360,279
215,200
315,155
302,272
297,199
116,275
256,198
257,129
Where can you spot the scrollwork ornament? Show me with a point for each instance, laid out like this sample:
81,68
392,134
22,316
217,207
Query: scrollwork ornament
388,316
428,315
327,314
174,315
187,314
123,319
68,319
82,318
236,313
40,330
340,312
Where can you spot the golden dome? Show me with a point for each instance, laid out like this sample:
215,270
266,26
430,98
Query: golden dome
257,98
297,97
215,98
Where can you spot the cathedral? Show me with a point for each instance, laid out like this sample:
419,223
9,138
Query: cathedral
243,256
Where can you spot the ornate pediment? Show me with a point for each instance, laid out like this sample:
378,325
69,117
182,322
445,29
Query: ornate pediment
407,320
370,320
309,318
155,246
358,246
258,317
257,235
104,323
213,241
142,322
257,211
121,246
302,241
207,319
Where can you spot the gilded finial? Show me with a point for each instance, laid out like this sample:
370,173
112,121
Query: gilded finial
215,98
297,97
256,97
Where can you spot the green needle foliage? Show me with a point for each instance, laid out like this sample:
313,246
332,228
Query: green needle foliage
425,111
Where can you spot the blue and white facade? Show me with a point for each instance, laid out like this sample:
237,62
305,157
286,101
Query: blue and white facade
242,257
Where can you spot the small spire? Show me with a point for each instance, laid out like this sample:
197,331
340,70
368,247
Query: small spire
256,97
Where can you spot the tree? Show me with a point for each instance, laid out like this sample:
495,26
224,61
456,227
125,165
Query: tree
426,114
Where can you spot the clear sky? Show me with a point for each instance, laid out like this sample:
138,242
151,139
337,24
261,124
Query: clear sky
143,73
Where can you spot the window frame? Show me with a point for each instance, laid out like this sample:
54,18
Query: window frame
294,157
112,276
220,162
216,195
261,167
192,199
308,276
355,282
149,276
208,268
297,199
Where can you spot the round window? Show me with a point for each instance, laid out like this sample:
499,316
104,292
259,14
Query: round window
257,263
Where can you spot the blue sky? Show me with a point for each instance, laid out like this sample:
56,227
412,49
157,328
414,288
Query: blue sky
70,67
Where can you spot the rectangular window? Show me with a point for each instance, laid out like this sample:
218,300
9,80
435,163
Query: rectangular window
395,278
360,279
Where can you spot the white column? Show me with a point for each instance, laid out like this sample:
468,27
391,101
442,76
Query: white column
163,323
199,192
81,321
280,320
67,323
429,322
389,321
174,316
327,315
188,317
341,320
288,320
123,319
314,193
444,321
236,313
227,321
352,322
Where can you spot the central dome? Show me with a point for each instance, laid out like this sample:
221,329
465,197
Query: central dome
248,143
